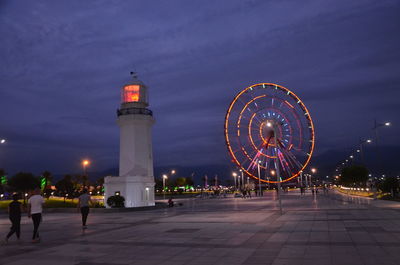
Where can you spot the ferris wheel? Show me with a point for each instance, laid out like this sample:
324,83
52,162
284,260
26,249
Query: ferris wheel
269,132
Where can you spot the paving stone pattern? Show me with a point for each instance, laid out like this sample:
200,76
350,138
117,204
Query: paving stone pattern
323,229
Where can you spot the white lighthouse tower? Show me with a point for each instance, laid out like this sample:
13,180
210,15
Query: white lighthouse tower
136,177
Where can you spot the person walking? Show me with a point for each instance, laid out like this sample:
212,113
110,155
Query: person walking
14,213
83,205
35,209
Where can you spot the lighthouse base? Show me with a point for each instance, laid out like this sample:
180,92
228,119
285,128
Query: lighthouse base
138,191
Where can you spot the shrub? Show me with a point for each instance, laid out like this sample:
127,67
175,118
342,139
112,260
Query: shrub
116,201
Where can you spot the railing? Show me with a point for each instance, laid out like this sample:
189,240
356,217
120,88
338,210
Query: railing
128,111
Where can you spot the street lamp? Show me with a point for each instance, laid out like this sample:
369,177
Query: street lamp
361,150
259,178
313,171
2,141
242,179
234,174
85,163
164,177
375,128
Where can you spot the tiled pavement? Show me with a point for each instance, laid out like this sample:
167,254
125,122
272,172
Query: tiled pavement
325,229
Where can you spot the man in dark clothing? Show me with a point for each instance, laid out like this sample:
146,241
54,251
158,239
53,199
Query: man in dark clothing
14,212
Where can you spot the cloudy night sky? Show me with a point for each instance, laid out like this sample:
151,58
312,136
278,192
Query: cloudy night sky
63,63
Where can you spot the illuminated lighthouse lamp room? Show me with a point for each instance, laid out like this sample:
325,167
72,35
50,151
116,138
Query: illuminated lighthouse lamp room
134,94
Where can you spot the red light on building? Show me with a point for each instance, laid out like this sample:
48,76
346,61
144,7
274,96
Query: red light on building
131,93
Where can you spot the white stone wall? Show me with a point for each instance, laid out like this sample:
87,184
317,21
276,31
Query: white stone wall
136,173
136,154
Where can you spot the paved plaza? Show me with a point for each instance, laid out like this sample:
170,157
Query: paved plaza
322,229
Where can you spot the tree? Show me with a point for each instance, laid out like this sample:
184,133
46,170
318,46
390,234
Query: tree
24,182
65,185
180,182
116,201
354,175
100,181
159,184
80,181
390,184
189,181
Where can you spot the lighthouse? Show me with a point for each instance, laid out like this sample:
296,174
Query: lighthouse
136,174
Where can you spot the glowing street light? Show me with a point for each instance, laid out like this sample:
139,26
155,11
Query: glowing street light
376,126
313,171
173,172
234,175
361,146
85,163
2,141
240,183
164,178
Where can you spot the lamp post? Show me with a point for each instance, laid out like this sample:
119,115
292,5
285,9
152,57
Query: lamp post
272,173
259,178
351,159
306,177
361,150
234,175
375,128
313,171
164,178
242,180
85,163
301,179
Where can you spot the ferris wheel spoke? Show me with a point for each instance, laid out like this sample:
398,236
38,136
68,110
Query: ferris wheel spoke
240,148
293,158
286,163
289,160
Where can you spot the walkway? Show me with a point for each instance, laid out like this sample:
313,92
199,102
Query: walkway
322,229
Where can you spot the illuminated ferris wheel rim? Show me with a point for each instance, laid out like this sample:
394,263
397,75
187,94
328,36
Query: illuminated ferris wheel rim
306,113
